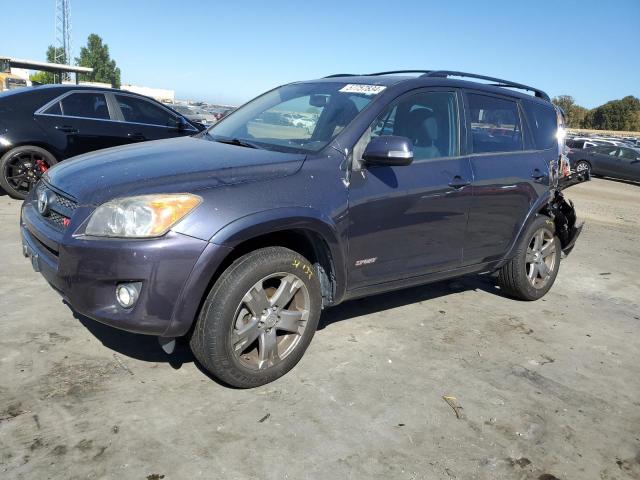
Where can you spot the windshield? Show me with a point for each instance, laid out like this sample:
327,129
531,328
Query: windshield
302,117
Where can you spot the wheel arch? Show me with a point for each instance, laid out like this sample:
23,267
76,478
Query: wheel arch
303,230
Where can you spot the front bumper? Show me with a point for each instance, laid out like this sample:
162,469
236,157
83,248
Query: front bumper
175,271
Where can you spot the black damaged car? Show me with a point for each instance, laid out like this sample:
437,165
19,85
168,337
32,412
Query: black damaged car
43,125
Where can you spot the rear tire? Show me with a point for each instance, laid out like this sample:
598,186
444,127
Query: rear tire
583,166
22,167
533,269
259,318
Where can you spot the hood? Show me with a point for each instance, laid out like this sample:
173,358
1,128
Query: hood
186,164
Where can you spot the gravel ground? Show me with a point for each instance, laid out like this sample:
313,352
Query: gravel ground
547,390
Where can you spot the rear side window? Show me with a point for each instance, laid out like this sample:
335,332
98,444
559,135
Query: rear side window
138,110
495,124
544,124
83,105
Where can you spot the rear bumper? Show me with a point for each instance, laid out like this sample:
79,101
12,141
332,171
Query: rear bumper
175,271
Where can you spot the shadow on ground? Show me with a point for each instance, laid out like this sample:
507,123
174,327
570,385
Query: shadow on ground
147,348
400,298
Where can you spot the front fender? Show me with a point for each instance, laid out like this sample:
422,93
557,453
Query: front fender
290,218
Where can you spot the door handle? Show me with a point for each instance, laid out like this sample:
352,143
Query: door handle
66,129
459,182
136,136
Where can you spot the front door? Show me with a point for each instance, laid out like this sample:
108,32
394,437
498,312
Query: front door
406,221
629,163
144,120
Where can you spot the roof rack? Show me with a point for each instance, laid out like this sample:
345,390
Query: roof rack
497,82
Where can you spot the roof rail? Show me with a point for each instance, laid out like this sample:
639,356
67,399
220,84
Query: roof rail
342,75
498,82
391,72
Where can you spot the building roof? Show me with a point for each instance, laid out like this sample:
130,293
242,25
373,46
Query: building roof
46,67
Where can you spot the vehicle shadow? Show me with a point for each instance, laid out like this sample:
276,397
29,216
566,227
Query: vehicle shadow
146,347
622,180
407,296
135,345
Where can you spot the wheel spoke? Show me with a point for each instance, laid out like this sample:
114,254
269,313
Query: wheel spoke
533,272
245,336
544,270
290,320
256,300
268,349
530,256
289,285
538,239
548,249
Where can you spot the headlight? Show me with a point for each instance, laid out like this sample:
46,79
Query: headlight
140,217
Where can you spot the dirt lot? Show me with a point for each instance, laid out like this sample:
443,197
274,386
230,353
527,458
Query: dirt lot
549,389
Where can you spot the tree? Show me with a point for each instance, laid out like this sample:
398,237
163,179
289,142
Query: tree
617,115
574,112
48,77
96,55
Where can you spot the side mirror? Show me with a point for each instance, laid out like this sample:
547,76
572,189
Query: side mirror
388,150
182,123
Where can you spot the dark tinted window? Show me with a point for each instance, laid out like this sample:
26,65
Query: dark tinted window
544,124
629,153
495,124
429,120
85,105
139,110
54,109
606,150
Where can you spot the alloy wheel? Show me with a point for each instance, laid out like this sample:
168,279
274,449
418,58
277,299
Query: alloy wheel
541,258
270,321
582,167
23,170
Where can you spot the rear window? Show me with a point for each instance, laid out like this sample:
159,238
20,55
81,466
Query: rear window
544,124
83,105
495,124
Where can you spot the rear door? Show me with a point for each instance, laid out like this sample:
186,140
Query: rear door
144,119
410,220
508,178
629,163
79,122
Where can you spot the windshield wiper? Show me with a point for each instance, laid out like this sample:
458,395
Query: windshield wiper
236,141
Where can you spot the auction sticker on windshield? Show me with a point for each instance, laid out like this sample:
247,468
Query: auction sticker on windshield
364,89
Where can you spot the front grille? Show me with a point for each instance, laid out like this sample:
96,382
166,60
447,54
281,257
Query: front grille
60,208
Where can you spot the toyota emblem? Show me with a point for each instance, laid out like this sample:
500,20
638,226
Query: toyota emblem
43,203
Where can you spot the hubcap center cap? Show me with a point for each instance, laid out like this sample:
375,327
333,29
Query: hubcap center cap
270,319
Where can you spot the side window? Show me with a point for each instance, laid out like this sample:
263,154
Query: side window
543,121
429,120
138,110
628,154
607,150
84,105
495,124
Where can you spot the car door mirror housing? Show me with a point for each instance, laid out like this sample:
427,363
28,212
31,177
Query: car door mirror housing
388,150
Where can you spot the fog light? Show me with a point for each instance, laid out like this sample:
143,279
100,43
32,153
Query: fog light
127,294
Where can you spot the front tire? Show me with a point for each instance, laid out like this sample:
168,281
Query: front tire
532,271
22,167
259,318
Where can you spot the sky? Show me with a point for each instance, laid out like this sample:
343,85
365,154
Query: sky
231,51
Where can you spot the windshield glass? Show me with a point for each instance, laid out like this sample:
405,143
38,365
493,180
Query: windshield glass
301,117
